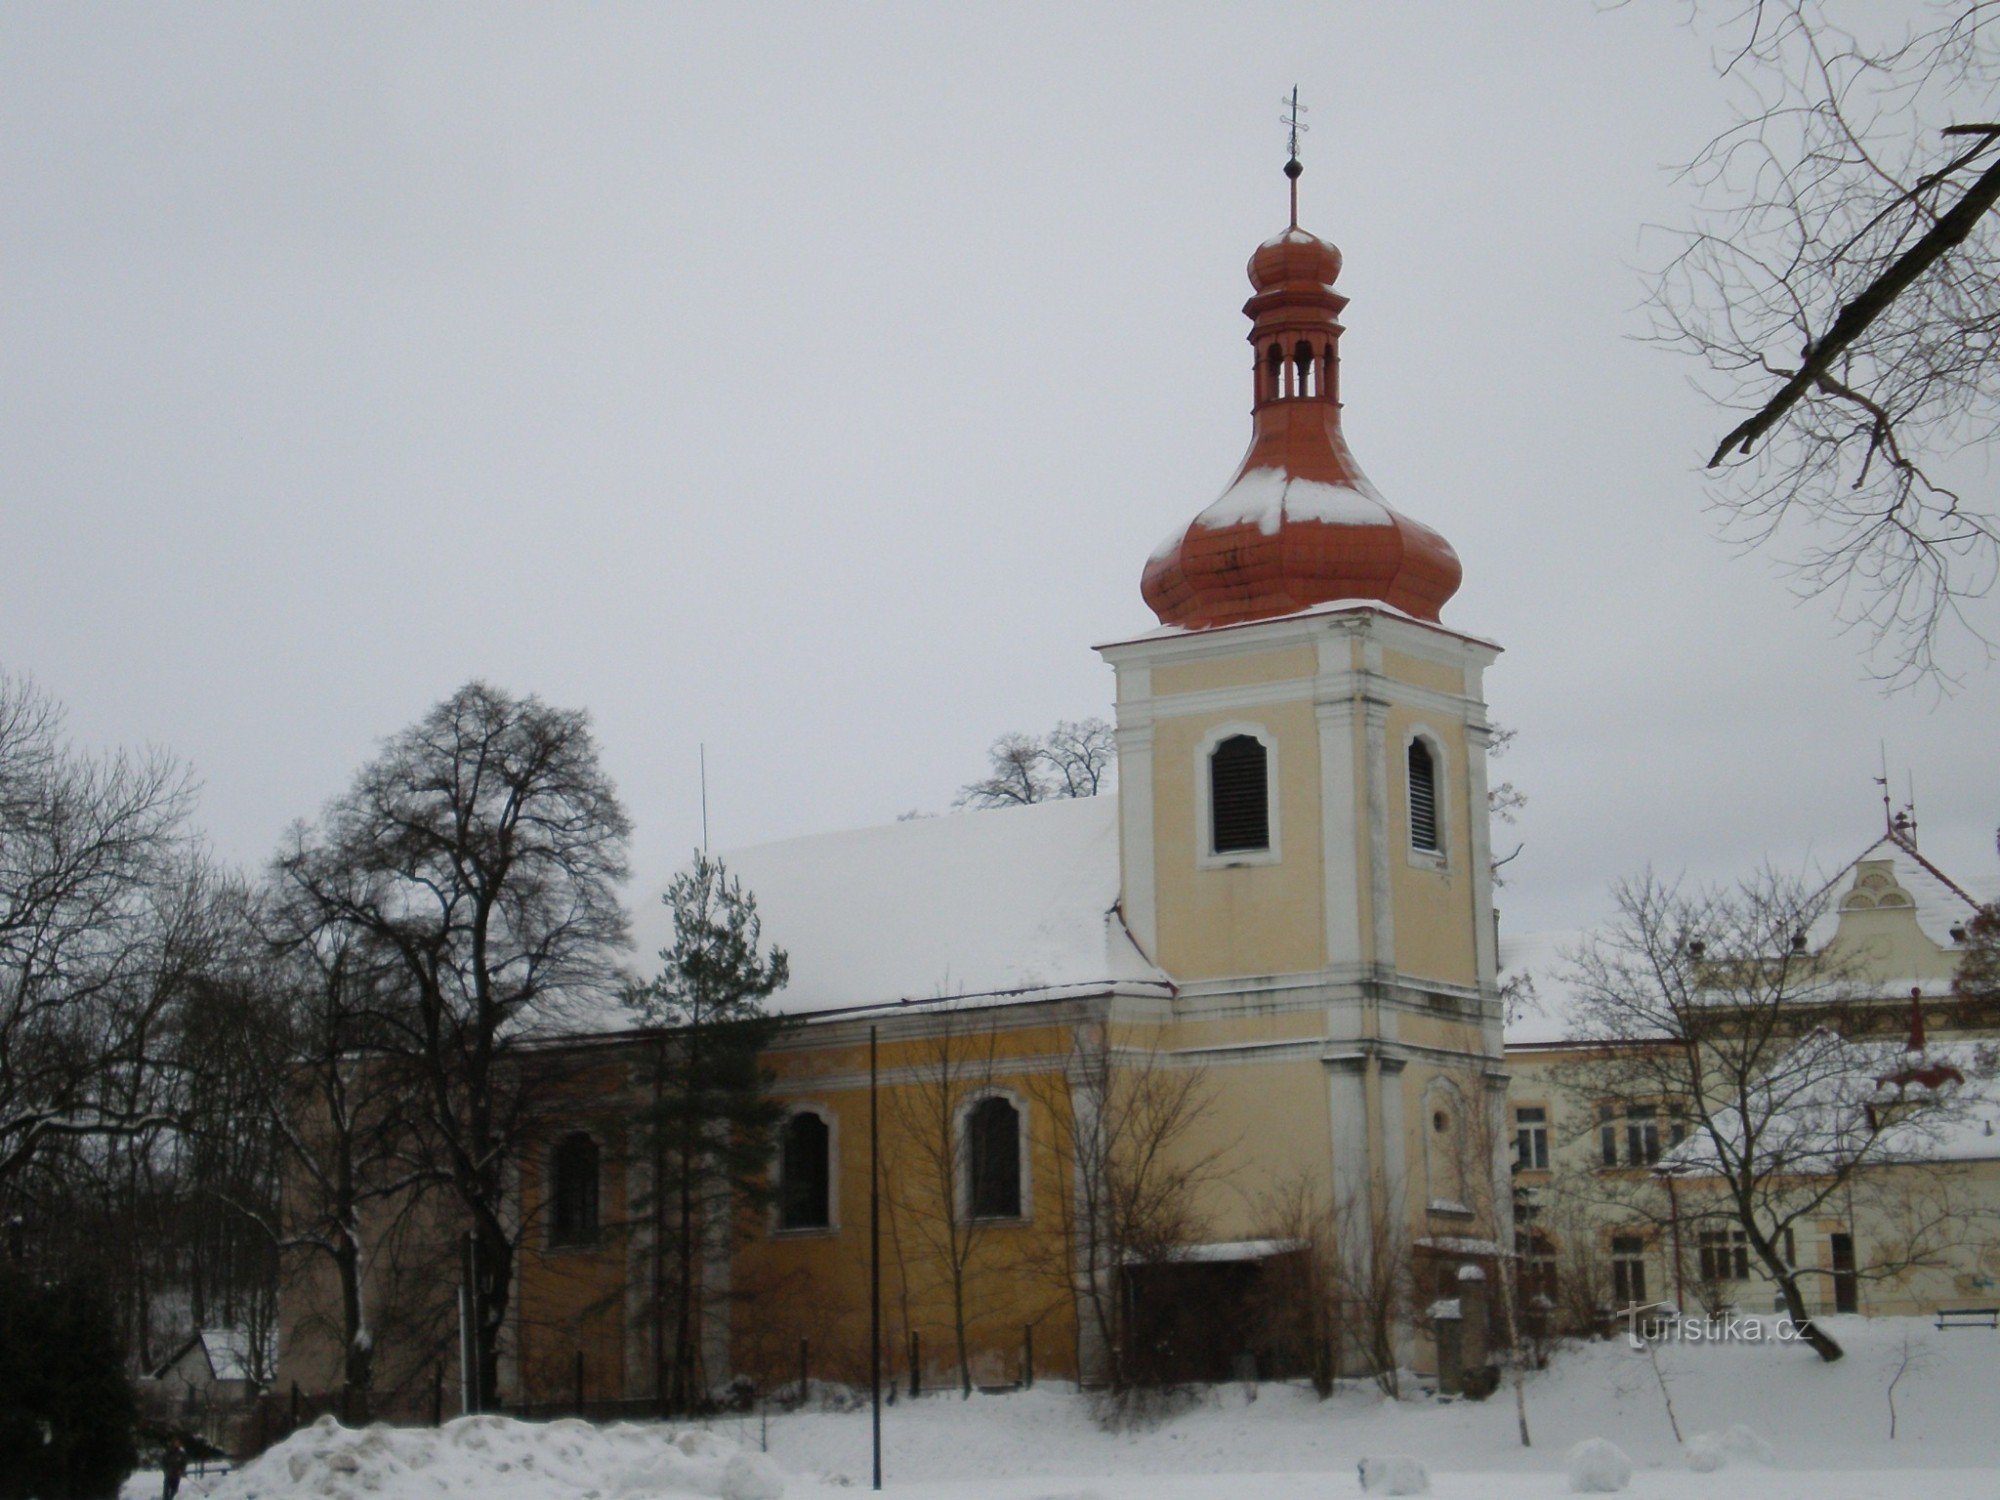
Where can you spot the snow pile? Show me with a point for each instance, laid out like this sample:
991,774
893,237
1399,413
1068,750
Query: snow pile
1709,1451
1597,1467
498,1458
1394,1474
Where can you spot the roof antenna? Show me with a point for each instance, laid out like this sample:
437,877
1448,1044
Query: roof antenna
1293,125
1912,805
1888,813
704,797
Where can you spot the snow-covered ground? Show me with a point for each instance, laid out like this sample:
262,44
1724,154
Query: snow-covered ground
1826,1427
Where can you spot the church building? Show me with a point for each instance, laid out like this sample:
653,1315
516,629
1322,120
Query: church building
1266,961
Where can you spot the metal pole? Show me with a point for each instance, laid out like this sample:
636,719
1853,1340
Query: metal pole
468,1335
874,1254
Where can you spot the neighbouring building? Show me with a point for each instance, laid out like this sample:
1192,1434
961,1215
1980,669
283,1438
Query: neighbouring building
1618,1199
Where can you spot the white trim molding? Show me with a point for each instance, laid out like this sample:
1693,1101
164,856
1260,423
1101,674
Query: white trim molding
1205,856
962,1124
825,1115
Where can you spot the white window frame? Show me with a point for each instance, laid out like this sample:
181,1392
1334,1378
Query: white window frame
832,1122
963,1126
1441,781
1538,1131
1205,856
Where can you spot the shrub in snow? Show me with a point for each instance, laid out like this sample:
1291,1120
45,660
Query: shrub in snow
1709,1451
751,1476
1394,1474
1598,1468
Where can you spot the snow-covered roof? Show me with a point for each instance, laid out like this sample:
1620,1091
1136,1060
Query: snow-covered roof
1014,904
1820,1099
227,1352
1546,1009
1941,904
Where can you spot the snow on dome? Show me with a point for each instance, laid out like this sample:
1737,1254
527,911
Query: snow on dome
1299,524
1013,904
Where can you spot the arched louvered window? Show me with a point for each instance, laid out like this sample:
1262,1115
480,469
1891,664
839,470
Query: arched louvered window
1423,800
1239,796
573,1172
993,1159
805,1199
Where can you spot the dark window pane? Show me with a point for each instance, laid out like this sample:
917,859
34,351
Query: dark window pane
574,1168
804,1199
994,1149
1239,808
1423,799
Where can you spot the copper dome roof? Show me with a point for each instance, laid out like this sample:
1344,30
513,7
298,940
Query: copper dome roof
1299,525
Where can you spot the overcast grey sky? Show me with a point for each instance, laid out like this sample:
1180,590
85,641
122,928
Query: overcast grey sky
813,381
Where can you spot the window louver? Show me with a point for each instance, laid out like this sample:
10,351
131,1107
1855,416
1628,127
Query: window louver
1423,799
1239,808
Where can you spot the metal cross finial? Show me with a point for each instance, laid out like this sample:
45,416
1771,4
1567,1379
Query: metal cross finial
1291,121
1293,125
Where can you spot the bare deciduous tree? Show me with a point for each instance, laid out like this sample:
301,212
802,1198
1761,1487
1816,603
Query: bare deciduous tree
1712,1016
86,847
1075,759
927,1167
1841,285
1124,1121
482,850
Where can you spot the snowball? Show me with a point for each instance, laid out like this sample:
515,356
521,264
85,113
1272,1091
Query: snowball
1598,1468
1394,1474
752,1476
1705,1454
1742,1444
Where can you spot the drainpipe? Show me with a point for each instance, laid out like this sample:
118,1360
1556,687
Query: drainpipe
1674,1227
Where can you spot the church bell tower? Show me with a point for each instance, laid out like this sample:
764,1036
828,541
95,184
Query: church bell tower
1302,770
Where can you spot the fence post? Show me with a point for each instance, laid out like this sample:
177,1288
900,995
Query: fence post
916,1365
805,1369
1028,1356
579,1382
295,1407
437,1394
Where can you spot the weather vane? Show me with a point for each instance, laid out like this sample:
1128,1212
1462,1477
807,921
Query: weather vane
1293,125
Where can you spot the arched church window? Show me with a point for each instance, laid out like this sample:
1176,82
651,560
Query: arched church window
1239,796
1302,361
993,1159
1274,373
573,1171
1423,799
805,1178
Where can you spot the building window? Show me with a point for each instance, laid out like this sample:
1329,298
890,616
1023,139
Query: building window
1725,1255
1628,1270
1531,1137
573,1170
1642,1134
1423,800
1538,1271
1607,1135
993,1159
805,1176
1239,796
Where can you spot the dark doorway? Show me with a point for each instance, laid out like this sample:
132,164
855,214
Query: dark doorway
1846,1285
1202,1321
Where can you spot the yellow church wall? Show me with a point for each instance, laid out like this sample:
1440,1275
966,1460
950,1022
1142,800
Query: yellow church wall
1417,671
1238,919
572,1297
813,1285
1432,905
1292,664
1266,1129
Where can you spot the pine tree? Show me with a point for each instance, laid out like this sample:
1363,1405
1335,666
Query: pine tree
712,1121
66,1409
